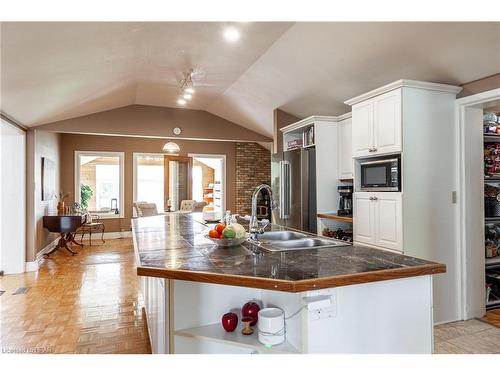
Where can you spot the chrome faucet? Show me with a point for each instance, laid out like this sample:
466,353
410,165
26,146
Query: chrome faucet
254,224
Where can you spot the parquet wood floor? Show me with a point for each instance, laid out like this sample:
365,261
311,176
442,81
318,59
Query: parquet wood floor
493,317
87,303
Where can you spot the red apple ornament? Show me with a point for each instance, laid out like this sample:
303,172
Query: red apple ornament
251,309
229,321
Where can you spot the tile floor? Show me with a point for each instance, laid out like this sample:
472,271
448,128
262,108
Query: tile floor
467,337
90,303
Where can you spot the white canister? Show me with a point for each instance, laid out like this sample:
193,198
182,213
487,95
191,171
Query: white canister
271,326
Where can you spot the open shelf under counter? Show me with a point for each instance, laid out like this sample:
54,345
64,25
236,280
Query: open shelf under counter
333,216
215,332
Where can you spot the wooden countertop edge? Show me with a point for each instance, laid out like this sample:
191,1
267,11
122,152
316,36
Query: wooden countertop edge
345,219
289,285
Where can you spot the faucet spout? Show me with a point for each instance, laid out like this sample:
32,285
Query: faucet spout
254,224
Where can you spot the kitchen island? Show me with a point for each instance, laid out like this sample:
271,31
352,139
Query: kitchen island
378,301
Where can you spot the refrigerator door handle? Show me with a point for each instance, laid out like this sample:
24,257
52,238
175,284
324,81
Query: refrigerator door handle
284,189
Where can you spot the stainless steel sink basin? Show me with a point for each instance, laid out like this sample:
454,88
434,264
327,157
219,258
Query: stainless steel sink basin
301,244
282,235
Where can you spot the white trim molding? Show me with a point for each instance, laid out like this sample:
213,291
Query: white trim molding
404,83
311,120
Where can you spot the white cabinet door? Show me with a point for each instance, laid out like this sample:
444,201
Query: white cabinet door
387,123
388,220
345,166
362,128
363,218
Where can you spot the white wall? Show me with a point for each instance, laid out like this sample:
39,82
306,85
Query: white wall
12,198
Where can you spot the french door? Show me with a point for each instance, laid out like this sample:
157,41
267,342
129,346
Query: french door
178,180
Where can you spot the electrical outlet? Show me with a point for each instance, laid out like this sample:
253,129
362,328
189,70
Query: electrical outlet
327,312
453,197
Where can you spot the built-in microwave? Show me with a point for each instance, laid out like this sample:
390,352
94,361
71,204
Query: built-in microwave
381,174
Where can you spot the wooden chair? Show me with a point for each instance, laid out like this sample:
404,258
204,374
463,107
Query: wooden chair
91,226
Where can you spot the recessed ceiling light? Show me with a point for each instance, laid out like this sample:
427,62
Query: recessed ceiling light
231,34
189,90
187,96
181,102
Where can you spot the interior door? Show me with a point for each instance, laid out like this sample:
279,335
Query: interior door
178,179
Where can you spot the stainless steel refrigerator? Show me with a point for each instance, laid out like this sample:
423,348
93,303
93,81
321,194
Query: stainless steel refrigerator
293,180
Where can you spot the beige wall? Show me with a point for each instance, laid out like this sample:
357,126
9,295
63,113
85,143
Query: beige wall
281,119
76,142
39,144
151,121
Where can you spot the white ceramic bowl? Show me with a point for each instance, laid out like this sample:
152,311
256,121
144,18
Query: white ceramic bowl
271,326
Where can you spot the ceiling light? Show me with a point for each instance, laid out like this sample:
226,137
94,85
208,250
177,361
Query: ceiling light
181,102
231,34
189,90
171,148
187,96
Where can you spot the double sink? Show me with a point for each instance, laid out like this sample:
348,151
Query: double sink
289,240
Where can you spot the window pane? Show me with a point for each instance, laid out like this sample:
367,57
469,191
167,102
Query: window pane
149,184
100,182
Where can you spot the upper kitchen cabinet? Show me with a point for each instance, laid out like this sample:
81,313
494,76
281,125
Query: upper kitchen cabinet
376,125
381,117
345,161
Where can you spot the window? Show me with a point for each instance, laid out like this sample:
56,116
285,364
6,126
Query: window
99,182
148,179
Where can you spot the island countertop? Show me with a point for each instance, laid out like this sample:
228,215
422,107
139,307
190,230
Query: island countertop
173,246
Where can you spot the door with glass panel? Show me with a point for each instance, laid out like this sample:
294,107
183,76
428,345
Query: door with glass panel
178,180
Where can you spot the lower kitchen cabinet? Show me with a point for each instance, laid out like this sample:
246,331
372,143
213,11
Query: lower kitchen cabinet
378,220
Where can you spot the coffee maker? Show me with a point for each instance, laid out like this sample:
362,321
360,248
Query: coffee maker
345,201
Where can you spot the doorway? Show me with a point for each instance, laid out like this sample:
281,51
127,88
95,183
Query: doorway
12,198
167,180
208,182
474,263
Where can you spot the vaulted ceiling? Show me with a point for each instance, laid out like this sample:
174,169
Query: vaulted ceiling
55,71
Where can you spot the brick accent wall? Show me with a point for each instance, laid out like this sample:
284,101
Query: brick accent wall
253,167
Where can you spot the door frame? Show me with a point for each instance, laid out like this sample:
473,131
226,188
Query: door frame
223,177
166,173
470,206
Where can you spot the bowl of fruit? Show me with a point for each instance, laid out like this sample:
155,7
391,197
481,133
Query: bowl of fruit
227,235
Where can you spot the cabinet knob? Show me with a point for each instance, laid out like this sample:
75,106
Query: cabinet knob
375,198
374,149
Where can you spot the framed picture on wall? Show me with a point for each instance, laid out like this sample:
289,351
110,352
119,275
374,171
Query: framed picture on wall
48,179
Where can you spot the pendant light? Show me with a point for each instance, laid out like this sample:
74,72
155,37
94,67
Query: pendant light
171,148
